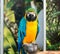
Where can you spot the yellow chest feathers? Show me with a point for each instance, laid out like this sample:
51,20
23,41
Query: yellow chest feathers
31,31
31,27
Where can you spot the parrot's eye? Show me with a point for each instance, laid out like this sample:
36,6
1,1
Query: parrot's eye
31,15
34,15
28,15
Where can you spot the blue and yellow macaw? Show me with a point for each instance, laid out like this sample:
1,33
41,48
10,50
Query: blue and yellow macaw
28,29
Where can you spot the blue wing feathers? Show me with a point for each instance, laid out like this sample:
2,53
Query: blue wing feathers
21,32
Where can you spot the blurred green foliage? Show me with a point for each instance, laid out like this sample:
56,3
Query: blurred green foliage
9,43
10,46
52,25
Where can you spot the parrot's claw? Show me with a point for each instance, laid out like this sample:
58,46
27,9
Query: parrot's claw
32,47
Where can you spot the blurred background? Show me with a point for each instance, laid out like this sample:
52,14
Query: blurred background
53,24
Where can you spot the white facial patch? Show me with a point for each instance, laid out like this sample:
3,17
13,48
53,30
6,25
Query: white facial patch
31,13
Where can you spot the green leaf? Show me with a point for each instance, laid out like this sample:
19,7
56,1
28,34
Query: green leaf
10,4
55,14
9,40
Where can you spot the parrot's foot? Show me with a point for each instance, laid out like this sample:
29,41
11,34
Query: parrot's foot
30,48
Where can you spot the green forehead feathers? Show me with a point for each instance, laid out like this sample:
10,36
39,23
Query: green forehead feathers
31,10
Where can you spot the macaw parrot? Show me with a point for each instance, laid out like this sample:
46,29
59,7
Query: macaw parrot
28,29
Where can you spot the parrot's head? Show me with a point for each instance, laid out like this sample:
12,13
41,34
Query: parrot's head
31,14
